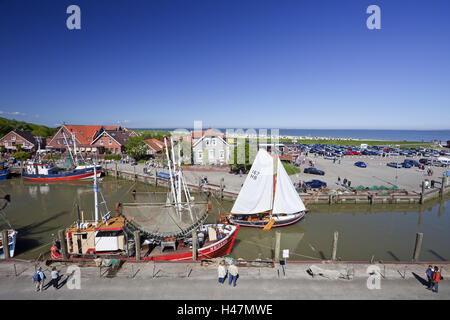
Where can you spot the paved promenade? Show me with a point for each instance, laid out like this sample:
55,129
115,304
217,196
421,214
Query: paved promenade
189,281
377,173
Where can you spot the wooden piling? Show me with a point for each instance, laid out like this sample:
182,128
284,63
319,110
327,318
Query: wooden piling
116,172
442,186
156,178
5,244
62,241
277,245
418,246
423,192
137,244
194,244
335,241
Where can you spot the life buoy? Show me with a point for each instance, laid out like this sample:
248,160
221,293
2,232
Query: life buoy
54,254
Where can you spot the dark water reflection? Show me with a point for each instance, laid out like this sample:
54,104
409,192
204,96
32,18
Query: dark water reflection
387,232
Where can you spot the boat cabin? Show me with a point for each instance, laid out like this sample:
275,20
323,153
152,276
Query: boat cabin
40,168
107,237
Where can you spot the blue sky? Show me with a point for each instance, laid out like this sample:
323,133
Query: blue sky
263,64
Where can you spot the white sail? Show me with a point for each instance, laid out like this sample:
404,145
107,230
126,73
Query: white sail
287,199
256,194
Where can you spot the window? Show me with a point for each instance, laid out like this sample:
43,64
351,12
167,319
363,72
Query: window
13,138
207,142
214,141
26,144
101,141
5,143
222,154
57,141
110,142
200,154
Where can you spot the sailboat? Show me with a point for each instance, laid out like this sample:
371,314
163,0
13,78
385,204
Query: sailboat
268,198
44,171
11,233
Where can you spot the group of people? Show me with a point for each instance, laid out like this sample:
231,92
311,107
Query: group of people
232,272
345,182
434,277
39,279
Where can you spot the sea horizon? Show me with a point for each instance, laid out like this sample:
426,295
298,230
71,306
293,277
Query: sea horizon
360,134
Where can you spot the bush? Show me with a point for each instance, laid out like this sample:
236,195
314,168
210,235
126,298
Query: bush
113,157
21,155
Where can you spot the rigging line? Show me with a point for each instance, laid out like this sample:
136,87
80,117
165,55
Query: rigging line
268,247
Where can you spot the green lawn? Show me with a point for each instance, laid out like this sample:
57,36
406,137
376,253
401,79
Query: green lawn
290,168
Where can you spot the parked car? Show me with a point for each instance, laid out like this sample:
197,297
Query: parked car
313,170
406,165
316,184
395,164
425,161
412,162
360,164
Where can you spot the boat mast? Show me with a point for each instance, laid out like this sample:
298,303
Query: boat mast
68,148
275,164
172,187
95,194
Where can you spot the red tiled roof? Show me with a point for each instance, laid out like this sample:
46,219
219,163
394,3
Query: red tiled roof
155,144
85,133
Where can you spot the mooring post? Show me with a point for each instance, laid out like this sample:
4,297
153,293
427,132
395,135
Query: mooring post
418,246
156,178
5,244
443,186
277,245
137,244
335,241
423,192
115,173
62,241
194,244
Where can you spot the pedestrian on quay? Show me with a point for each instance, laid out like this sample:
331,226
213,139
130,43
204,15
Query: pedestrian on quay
349,183
234,273
39,279
339,181
240,173
339,161
55,278
345,181
222,271
429,273
436,279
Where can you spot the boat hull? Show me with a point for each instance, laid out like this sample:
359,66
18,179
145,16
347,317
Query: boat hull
262,223
12,234
81,174
4,174
217,249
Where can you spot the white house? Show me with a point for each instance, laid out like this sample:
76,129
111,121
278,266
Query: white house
211,148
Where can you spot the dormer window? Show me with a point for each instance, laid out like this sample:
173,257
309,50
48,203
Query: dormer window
13,138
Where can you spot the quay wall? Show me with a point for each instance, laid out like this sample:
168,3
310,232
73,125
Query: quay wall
358,197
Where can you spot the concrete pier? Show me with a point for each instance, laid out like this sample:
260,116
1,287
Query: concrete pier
177,281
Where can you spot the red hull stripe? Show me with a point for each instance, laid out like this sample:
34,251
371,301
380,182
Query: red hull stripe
75,177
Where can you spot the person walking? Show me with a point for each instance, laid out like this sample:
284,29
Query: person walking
234,273
55,277
436,279
339,181
39,279
222,271
429,273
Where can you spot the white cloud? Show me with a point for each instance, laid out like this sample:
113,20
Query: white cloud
15,113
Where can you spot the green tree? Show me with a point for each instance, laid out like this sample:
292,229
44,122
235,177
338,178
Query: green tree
18,147
136,147
21,155
2,149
